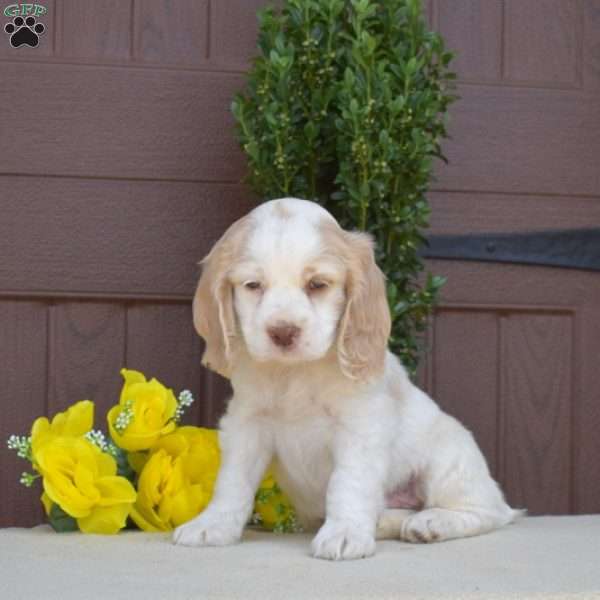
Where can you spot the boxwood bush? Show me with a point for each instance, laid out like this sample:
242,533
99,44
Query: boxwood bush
346,105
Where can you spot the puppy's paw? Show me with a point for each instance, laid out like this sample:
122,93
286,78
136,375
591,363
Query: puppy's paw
206,530
342,541
424,527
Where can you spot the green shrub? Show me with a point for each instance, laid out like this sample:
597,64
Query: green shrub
345,106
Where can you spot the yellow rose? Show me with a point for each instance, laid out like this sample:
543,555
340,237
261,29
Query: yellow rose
273,506
83,481
76,421
145,412
176,482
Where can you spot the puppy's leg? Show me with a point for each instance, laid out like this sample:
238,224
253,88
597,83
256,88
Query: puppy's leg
461,499
245,455
438,524
354,499
389,526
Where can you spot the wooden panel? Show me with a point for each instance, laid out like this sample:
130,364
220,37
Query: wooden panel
124,238
523,140
429,13
542,41
514,286
537,357
162,342
473,29
86,353
459,212
120,123
234,28
23,384
586,405
217,391
591,45
96,30
172,32
550,333
45,47
465,370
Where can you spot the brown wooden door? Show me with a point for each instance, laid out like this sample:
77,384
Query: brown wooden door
515,350
119,168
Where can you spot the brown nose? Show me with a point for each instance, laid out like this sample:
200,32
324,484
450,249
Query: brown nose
283,335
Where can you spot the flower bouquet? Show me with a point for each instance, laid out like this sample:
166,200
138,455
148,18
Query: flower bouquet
150,472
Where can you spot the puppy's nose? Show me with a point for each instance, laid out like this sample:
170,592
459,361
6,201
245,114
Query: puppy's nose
283,334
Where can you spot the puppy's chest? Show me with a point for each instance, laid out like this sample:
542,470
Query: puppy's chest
303,427
303,462
294,403
303,422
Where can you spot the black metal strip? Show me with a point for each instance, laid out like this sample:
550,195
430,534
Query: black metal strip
569,248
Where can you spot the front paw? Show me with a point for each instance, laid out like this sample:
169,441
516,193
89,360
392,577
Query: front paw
342,541
207,530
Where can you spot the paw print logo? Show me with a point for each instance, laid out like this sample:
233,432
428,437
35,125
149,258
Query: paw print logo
24,31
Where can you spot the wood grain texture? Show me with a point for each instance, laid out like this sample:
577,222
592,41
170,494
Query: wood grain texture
460,212
110,237
570,300
96,30
585,404
86,352
465,372
543,41
233,31
120,123
523,140
591,45
171,32
537,355
473,29
162,343
22,398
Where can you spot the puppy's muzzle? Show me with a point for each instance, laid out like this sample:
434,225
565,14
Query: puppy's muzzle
284,335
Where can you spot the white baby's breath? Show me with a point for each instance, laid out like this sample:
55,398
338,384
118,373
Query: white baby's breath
22,444
185,400
124,418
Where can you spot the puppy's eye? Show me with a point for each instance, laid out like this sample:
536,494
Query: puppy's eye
253,285
316,284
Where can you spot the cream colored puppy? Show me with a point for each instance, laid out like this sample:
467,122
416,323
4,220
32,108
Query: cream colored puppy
293,310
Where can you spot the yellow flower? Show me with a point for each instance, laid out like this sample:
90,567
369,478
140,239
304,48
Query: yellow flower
177,481
273,506
145,412
75,422
83,481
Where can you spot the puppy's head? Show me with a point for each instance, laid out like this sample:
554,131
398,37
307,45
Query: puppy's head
288,283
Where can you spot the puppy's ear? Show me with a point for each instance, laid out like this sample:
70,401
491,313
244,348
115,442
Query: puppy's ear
366,323
214,317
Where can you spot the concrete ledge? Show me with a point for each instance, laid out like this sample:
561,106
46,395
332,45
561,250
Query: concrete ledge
538,557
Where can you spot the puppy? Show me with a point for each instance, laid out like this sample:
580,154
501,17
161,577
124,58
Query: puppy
293,311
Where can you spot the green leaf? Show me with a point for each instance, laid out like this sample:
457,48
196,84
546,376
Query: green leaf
311,130
124,469
60,521
349,78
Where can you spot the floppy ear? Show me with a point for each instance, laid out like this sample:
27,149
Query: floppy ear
366,324
214,317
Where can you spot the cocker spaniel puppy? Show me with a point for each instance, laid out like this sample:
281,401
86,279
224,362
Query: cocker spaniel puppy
293,310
